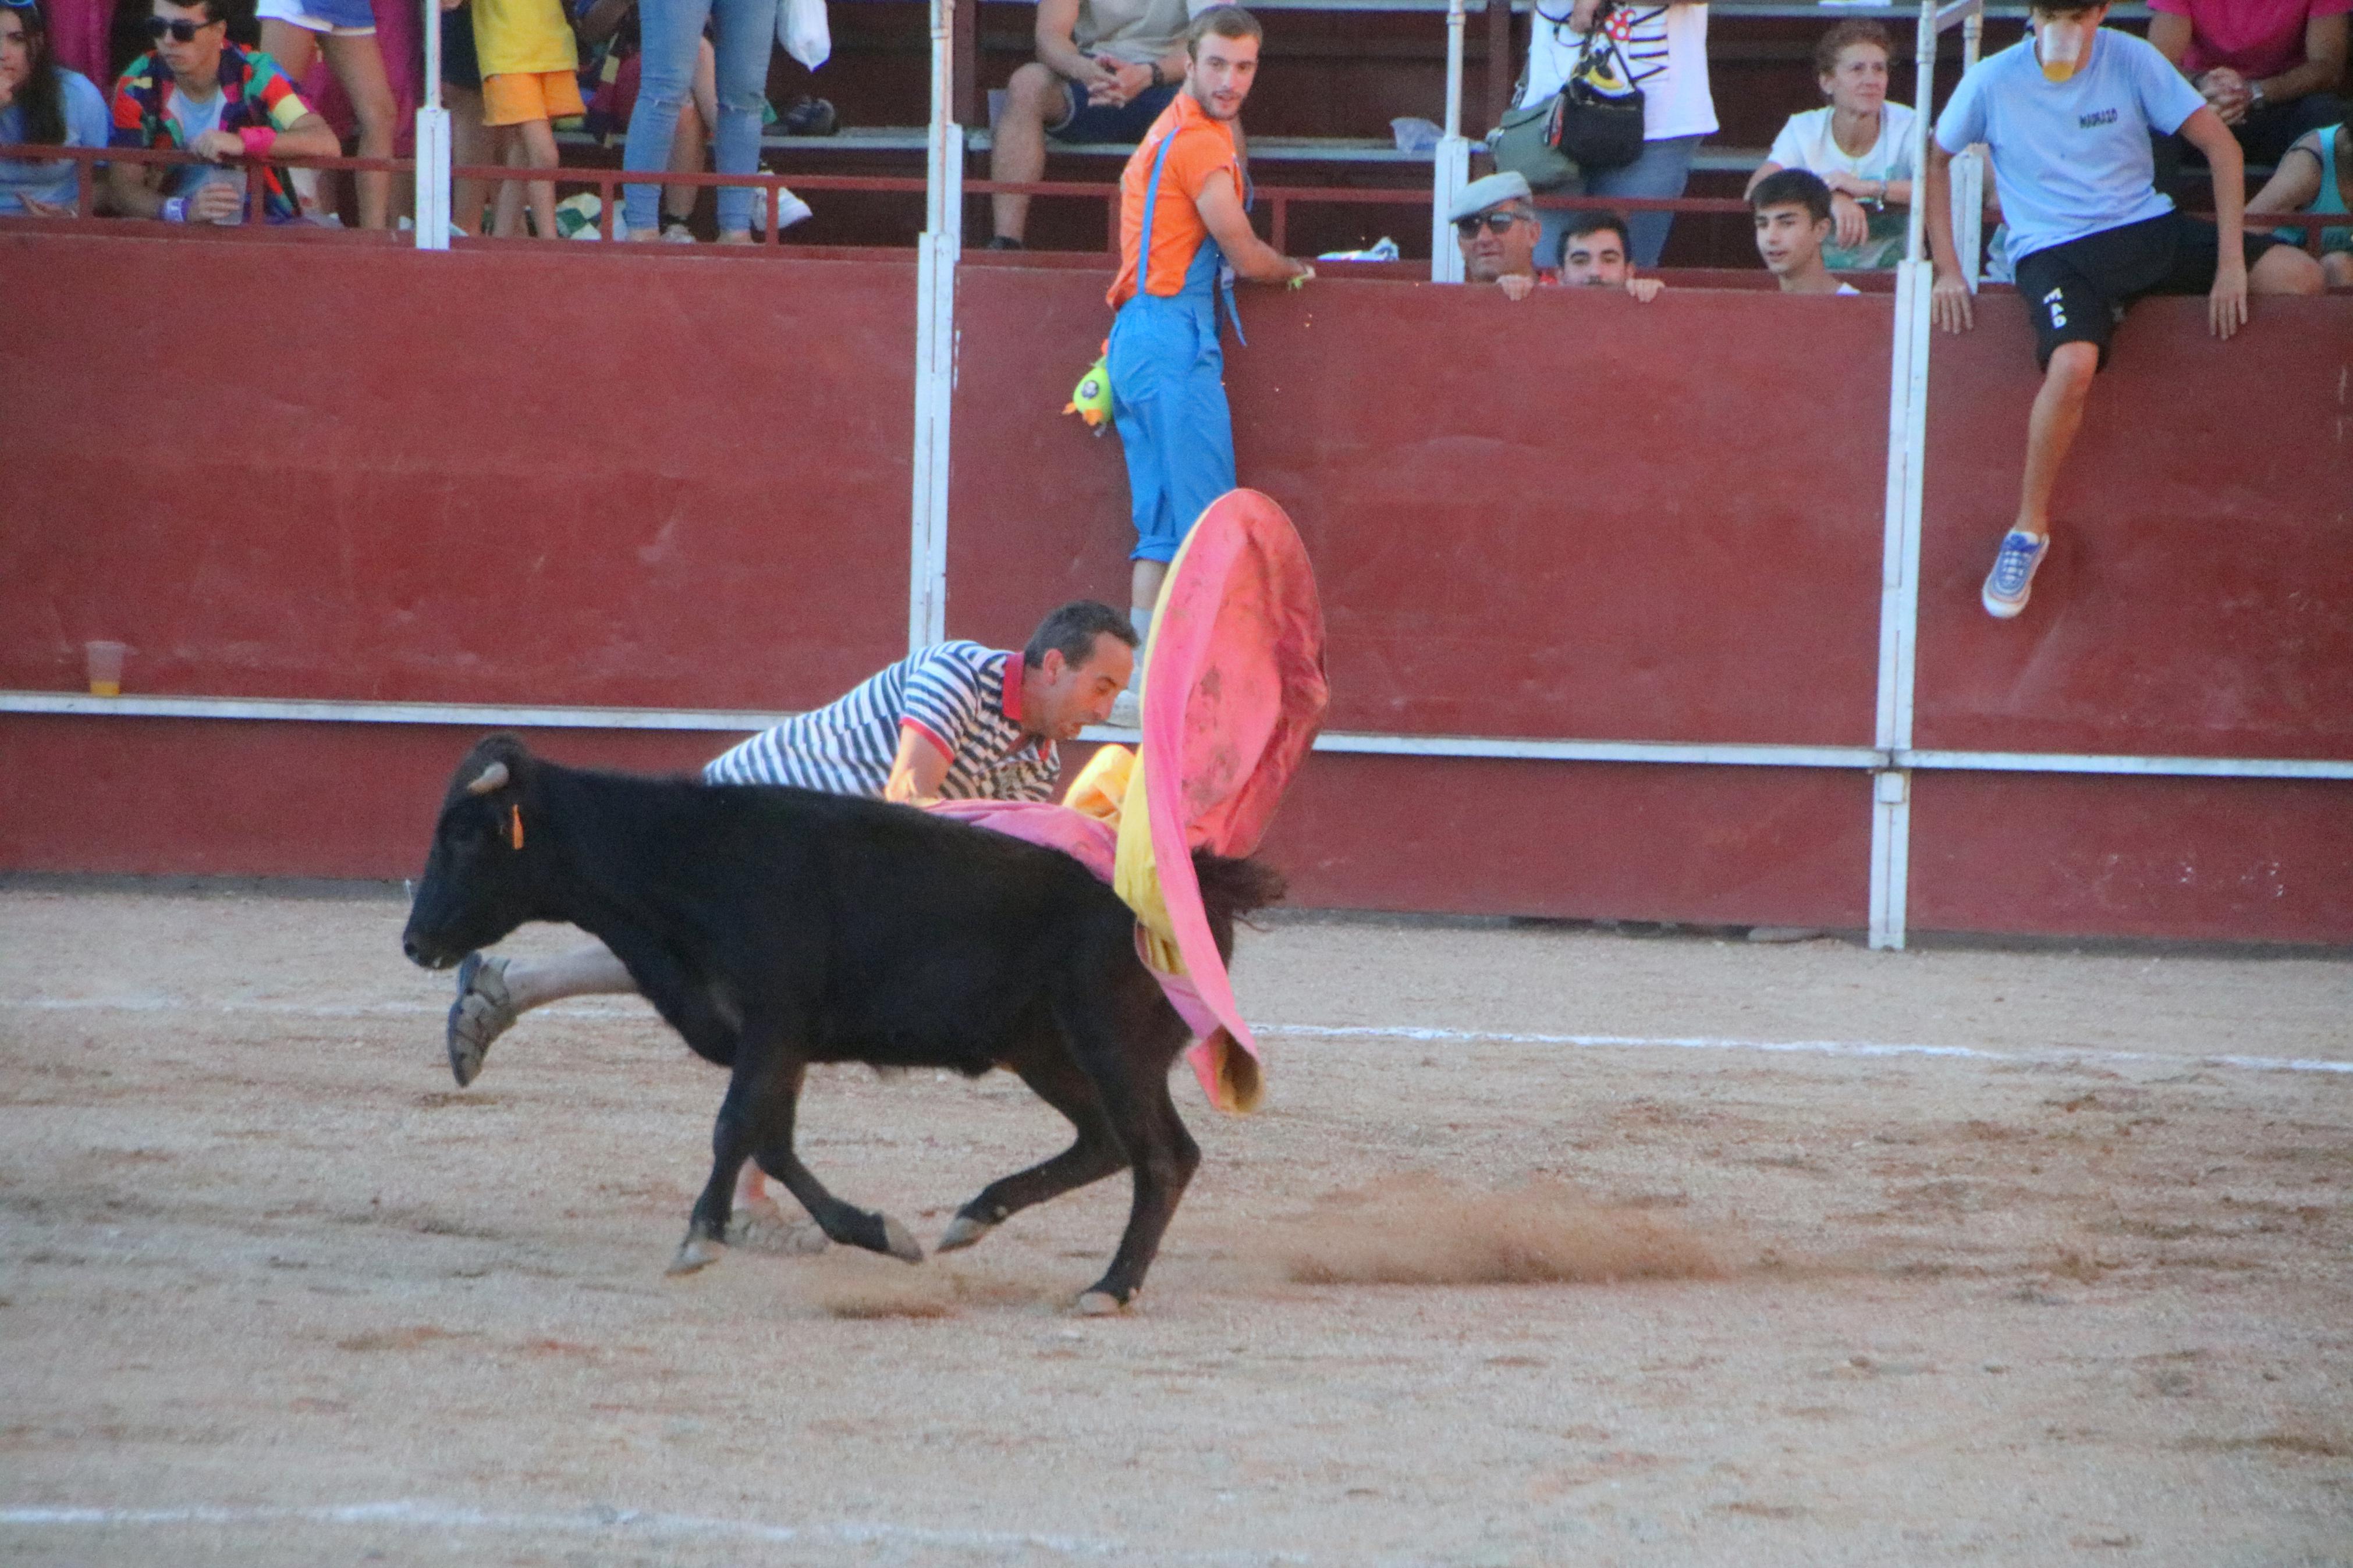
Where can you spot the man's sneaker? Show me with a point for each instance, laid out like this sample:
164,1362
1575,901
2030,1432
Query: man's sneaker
1126,711
481,1013
674,231
2012,577
790,210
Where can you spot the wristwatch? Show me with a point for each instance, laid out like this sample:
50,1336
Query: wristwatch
1157,79
2255,98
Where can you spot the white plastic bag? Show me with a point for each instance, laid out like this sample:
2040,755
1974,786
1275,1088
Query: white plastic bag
802,29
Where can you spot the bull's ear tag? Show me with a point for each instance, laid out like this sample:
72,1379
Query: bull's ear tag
514,825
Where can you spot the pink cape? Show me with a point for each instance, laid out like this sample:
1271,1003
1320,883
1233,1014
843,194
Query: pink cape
1232,696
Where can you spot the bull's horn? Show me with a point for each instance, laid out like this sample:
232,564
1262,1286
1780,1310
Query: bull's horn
492,777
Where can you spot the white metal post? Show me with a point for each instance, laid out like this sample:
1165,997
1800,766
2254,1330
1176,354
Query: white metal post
1450,167
432,203
1899,585
935,282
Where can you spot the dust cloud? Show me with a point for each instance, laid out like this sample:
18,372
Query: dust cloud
1420,1229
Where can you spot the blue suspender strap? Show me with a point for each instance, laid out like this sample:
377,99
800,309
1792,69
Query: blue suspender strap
1151,200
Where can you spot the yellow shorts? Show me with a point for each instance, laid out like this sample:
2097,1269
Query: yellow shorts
516,98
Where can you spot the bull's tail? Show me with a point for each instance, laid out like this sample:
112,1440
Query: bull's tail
1231,887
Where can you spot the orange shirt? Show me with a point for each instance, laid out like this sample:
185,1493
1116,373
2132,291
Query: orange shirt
1204,151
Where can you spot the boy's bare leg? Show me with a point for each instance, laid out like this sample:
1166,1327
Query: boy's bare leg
470,145
358,65
2051,430
538,137
506,212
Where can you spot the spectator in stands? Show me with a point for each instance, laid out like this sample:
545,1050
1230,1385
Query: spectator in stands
295,33
1791,210
529,80
1182,223
41,101
2315,176
671,34
199,91
1859,145
610,79
1593,255
2069,111
1495,226
1663,50
2269,68
1104,70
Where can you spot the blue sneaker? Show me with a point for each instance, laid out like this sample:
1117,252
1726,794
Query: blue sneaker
2012,577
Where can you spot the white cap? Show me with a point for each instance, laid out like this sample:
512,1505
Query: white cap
1492,191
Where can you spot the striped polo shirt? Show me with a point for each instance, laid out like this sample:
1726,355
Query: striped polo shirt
963,698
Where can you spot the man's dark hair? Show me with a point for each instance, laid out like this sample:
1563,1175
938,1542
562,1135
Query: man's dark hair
1583,223
42,97
1226,21
214,10
1072,630
2063,8
1793,188
1845,35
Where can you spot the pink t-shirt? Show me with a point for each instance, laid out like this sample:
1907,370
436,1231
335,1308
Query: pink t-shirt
2257,38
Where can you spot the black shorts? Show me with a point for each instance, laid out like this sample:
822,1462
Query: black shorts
2074,293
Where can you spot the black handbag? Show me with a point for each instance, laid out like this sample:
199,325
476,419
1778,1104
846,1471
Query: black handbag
1598,117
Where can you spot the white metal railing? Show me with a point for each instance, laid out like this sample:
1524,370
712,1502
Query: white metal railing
1450,167
1907,441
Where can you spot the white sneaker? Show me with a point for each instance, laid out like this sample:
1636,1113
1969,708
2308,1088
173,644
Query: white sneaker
1126,712
790,210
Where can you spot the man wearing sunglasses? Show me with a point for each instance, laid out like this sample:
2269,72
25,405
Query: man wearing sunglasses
1495,226
197,91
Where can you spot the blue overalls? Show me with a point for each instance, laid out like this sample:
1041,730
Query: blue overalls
1168,390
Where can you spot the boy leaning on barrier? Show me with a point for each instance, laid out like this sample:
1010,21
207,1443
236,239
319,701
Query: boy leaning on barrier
199,91
2068,111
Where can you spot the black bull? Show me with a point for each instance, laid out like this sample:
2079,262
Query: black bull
774,927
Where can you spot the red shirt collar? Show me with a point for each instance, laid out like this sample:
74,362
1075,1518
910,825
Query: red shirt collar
1011,698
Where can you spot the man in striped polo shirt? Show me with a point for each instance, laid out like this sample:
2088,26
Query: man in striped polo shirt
954,720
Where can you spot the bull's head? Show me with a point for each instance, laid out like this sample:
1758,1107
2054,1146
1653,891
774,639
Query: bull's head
478,878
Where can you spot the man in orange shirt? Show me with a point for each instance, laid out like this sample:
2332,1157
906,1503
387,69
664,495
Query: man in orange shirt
1184,232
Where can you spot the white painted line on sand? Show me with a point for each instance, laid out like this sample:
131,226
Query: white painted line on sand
426,1515
1410,1034
1796,1047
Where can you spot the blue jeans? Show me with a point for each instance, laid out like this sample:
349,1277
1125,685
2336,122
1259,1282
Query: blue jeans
671,31
1663,171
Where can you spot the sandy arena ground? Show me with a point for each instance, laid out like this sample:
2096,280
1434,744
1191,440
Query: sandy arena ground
2078,1289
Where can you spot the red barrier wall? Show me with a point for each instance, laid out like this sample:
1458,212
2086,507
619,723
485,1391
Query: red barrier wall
1575,516
605,477
350,472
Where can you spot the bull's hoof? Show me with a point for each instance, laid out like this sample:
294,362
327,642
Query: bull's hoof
1100,1304
962,1232
900,1242
763,1227
695,1252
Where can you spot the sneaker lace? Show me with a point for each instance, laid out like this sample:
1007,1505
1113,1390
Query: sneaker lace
2016,560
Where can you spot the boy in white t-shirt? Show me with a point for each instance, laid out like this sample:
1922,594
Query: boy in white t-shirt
1792,212
2068,111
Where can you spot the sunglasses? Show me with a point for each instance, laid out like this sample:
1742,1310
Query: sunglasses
180,30
1496,223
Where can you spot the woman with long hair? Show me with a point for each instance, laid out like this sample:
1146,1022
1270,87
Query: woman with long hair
44,103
